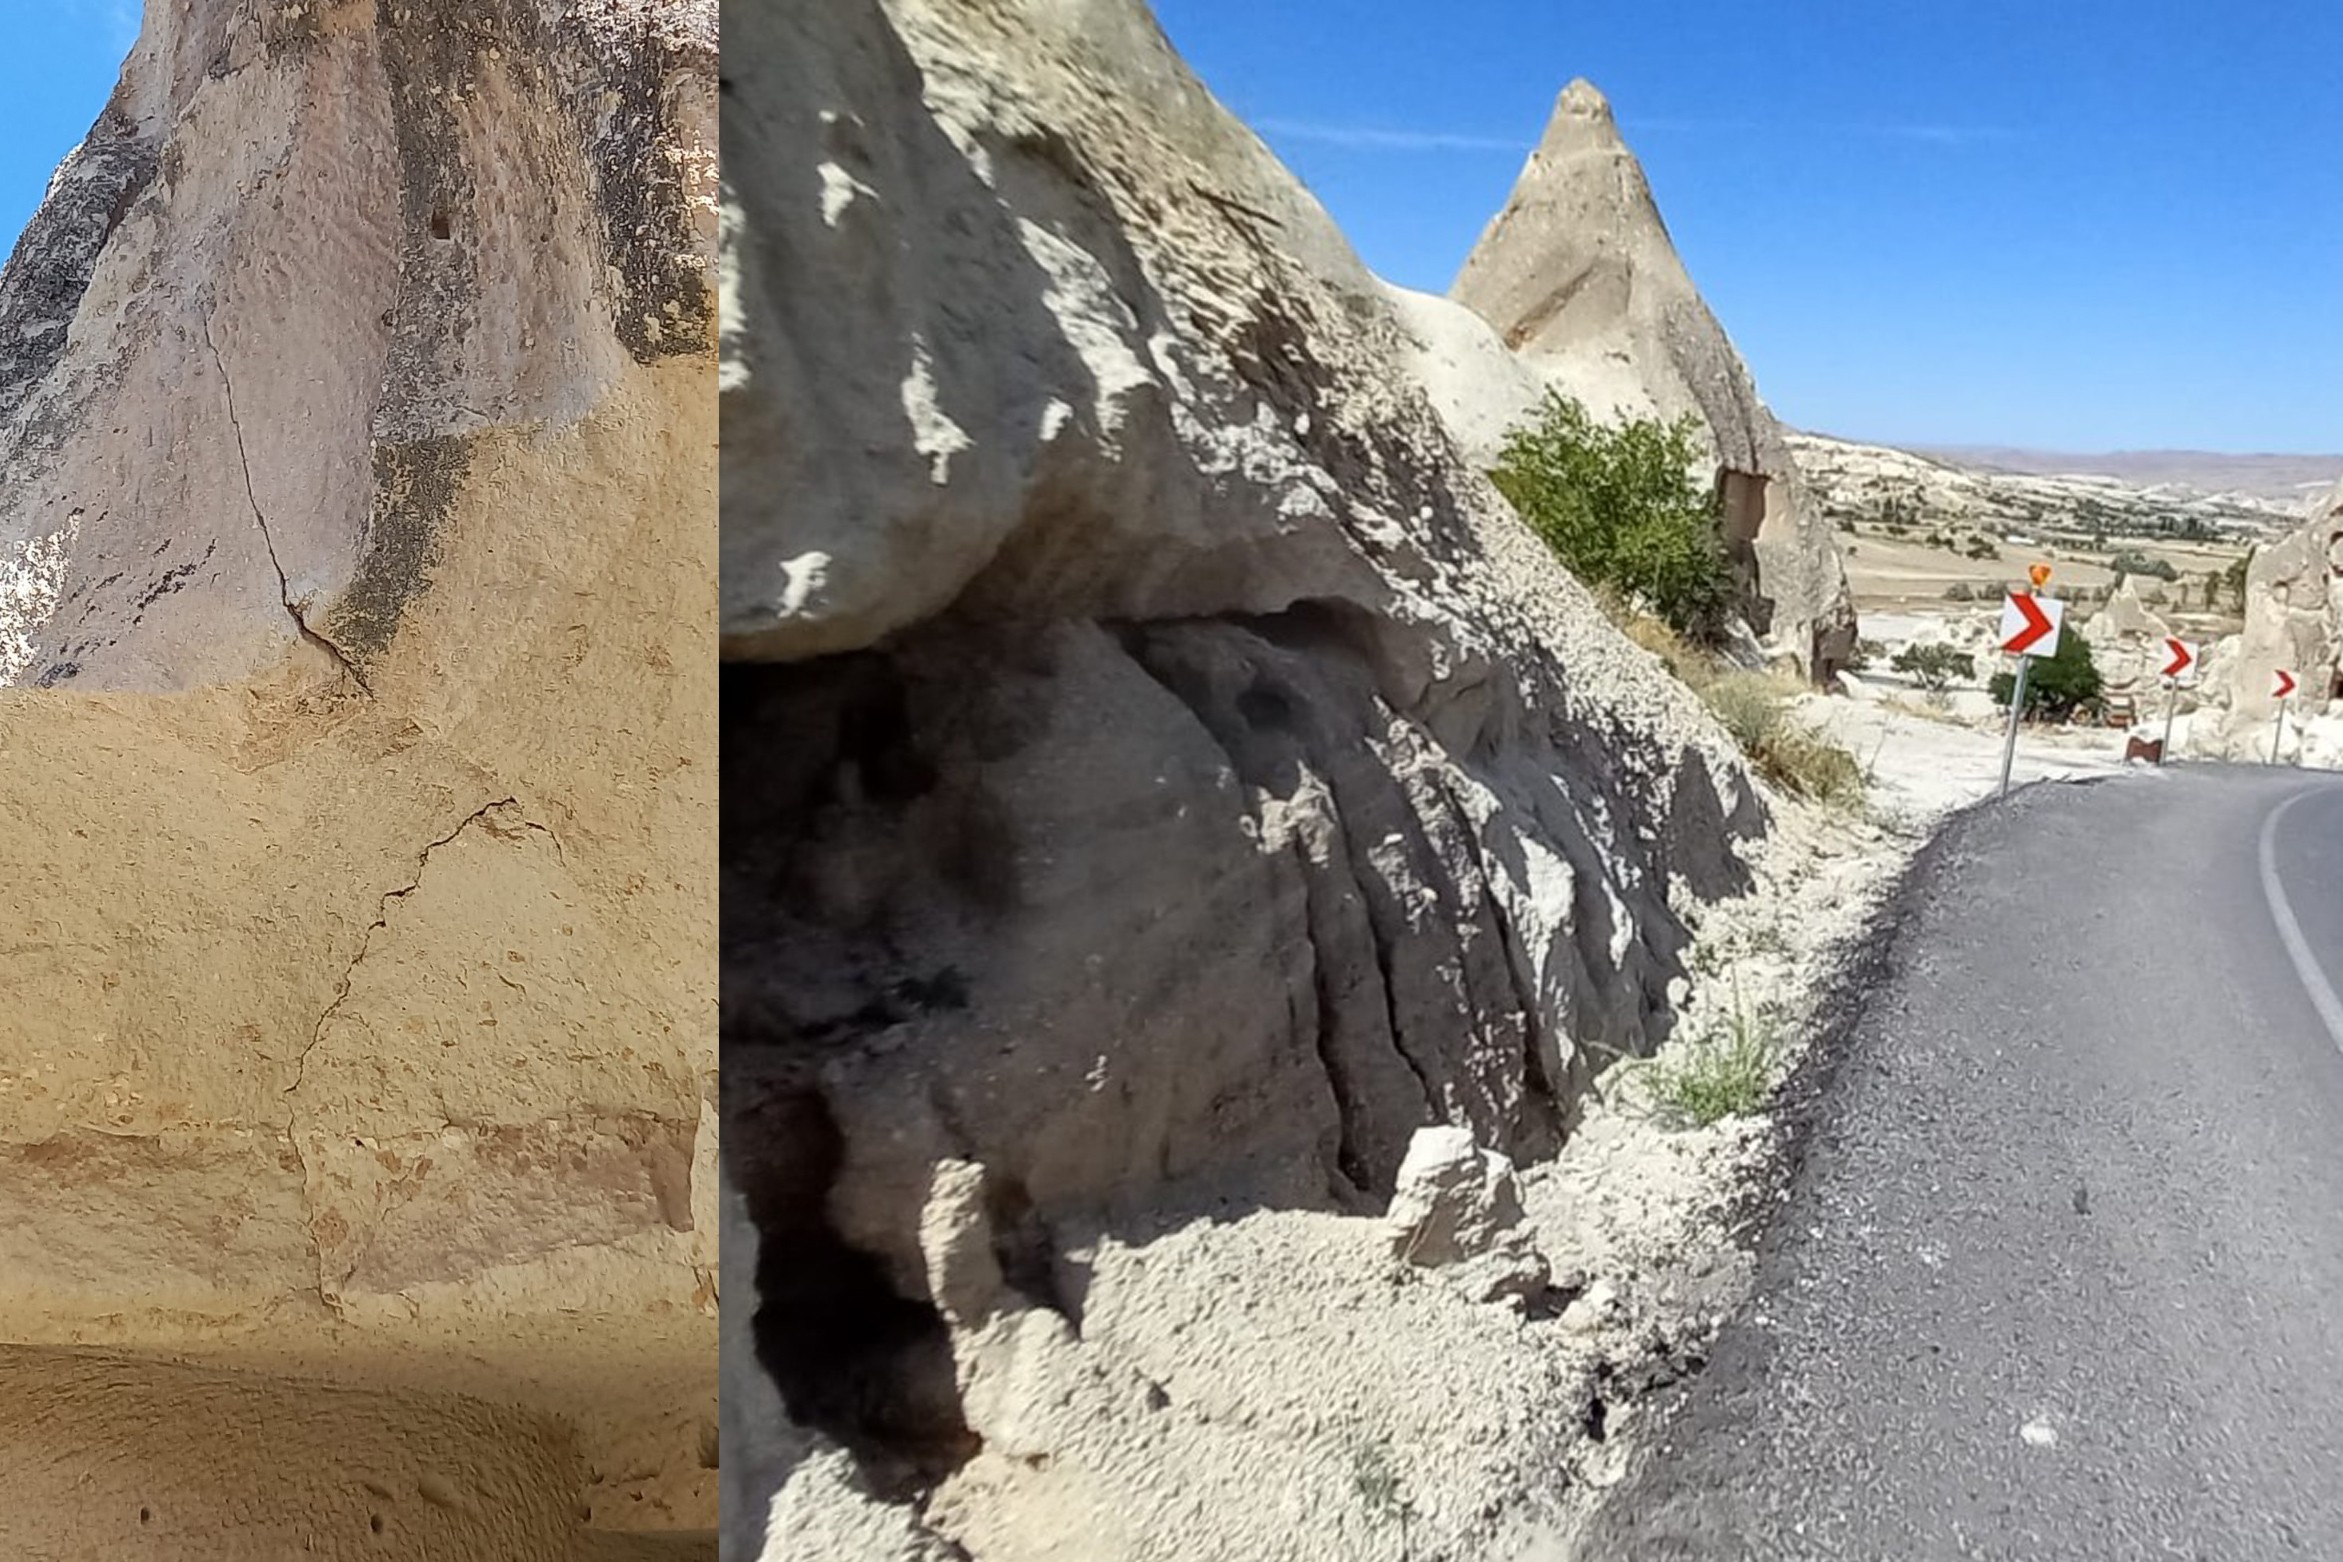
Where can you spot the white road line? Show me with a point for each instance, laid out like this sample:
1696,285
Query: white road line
2306,965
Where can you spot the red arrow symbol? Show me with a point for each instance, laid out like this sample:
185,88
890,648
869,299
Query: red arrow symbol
2284,685
2183,658
2037,625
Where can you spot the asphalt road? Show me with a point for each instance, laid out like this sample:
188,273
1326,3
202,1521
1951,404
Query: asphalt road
2061,1272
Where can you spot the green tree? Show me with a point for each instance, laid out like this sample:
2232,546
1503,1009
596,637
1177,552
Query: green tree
2057,687
1935,665
1618,506
2131,561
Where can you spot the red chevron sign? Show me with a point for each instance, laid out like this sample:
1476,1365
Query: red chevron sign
2029,625
2184,657
2281,683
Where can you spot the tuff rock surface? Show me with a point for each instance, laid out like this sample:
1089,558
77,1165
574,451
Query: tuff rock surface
356,804
2127,646
1160,774
1579,281
1458,1206
2294,620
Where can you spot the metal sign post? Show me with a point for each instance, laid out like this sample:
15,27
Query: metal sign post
2029,628
2017,704
2282,688
2180,656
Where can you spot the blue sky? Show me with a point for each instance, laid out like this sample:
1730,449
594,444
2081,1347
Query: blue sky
58,61
2081,225
2084,225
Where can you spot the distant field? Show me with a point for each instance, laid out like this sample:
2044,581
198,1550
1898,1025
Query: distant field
1904,574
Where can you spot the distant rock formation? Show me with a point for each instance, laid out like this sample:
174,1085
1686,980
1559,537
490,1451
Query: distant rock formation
2294,620
1159,775
357,699
2127,647
1577,275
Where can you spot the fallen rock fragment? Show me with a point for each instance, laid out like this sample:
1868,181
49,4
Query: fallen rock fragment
1457,1207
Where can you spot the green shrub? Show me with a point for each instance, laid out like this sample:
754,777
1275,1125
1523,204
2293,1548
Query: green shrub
1934,666
1618,506
2057,687
1982,548
1755,709
1960,591
1727,1075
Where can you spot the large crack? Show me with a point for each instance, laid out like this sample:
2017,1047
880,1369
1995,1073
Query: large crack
350,979
366,942
268,540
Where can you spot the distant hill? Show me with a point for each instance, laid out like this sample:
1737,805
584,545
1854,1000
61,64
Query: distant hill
2285,479
2136,494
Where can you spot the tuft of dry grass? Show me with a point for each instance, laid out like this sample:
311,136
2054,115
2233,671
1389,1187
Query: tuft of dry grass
1798,758
1731,1074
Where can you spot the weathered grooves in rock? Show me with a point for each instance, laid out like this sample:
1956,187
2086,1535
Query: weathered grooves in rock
1175,774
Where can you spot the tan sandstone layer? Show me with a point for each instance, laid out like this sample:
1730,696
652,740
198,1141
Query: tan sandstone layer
356,791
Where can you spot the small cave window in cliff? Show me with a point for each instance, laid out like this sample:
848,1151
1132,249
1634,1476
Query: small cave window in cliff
440,227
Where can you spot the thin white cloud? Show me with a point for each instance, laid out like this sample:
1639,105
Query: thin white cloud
1949,135
1367,138
1928,134
1376,138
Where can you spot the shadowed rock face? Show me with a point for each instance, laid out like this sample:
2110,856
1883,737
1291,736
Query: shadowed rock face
1578,276
357,687
1159,772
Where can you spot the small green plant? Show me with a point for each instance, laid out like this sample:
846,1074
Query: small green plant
2057,687
1982,548
1934,666
1727,1074
1619,507
1755,709
1960,591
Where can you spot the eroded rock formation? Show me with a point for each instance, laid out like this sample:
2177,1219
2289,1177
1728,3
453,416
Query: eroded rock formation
2294,620
357,705
2127,647
1160,774
1578,278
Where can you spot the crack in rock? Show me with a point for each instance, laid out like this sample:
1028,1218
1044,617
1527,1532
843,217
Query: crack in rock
381,921
268,540
350,977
